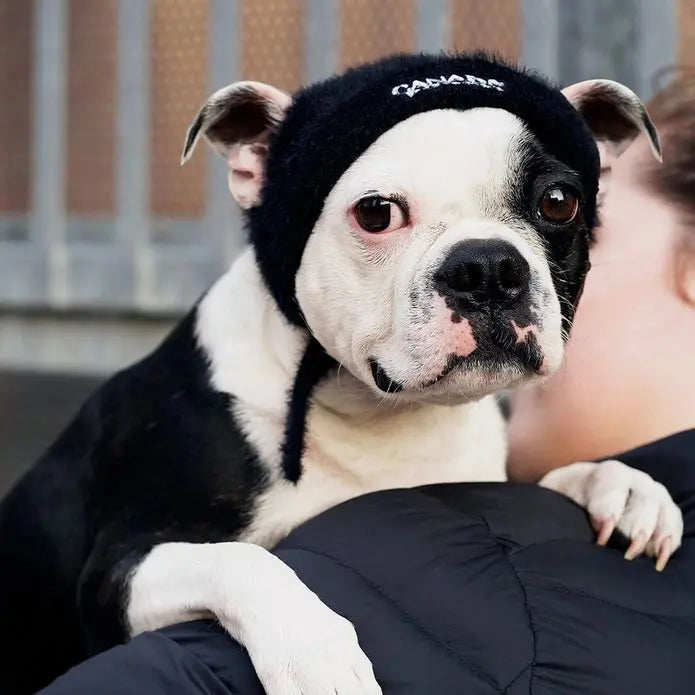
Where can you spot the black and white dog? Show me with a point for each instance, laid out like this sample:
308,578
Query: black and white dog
419,235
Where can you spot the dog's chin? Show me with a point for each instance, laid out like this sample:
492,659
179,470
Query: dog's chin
466,378
476,380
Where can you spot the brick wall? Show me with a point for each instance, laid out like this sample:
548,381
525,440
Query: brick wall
686,24
272,51
91,107
493,25
178,84
15,96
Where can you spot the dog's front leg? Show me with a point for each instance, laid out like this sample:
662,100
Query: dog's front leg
297,644
621,498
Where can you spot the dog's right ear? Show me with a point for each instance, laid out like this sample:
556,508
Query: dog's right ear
615,116
238,122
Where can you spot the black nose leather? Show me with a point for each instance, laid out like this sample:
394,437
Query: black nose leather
483,273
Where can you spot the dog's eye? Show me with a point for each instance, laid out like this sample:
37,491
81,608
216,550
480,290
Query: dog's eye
558,205
377,215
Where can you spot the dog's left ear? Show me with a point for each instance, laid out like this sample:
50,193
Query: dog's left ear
238,122
616,116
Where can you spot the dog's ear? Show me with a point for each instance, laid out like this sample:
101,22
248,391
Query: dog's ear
238,122
616,116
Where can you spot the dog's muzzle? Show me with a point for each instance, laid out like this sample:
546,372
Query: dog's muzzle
485,285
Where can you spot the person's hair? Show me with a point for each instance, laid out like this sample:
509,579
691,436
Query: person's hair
673,110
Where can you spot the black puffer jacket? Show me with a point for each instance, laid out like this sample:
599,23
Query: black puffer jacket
463,589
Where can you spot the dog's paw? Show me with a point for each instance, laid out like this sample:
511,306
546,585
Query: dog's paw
621,498
309,650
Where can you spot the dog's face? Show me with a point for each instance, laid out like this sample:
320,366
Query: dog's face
437,268
448,257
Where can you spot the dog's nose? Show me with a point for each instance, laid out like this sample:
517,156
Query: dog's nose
482,273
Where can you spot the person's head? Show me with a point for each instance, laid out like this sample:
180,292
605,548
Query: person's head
629,371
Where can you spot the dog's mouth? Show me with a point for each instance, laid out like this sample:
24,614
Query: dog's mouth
498,354
388,385
382,380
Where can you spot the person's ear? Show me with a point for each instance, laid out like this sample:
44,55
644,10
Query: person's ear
615,116
686,273
238,121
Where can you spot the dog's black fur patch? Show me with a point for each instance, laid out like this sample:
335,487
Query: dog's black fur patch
153,456
566,245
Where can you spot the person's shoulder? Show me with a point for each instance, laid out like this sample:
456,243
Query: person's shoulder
507,514
452,584
670,460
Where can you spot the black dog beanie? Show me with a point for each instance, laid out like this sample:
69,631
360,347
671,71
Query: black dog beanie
331,123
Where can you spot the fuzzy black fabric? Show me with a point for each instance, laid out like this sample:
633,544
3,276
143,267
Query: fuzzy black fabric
313,367
330,124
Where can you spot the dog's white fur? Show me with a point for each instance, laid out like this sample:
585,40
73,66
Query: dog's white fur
452,203
356,442
298,645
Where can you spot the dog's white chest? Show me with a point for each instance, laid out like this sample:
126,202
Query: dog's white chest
254,354
420,447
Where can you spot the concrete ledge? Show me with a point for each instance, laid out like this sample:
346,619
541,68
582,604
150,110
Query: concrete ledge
79,344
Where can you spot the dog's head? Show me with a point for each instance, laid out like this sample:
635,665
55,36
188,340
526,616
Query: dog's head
428,218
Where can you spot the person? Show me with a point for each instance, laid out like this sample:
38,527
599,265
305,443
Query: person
501,588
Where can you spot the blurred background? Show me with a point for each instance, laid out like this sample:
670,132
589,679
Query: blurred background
105,239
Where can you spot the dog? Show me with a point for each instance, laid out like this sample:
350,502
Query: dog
419,231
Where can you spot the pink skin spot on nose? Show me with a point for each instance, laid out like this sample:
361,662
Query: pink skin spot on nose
462,340
522,334
447,333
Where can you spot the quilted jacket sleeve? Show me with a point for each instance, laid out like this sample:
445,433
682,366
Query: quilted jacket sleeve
195,658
